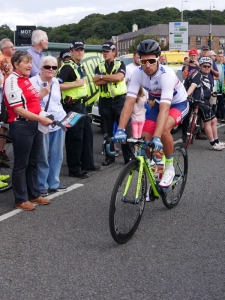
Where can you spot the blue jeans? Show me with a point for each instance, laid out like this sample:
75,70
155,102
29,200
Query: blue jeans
26,139
50,160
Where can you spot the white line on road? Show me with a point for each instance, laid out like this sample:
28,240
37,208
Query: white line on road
16,211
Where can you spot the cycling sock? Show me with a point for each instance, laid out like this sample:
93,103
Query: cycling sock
216,141
169,162
212,142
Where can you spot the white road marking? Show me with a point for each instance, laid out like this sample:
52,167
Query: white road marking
16,211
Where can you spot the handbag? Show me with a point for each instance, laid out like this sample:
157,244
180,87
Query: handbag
4,112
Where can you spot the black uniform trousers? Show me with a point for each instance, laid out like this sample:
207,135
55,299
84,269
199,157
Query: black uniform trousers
79,141
110,110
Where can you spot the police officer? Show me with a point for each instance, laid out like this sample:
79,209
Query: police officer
79,139
110,77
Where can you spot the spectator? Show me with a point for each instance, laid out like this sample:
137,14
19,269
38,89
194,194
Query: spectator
203,92
212,55
79,139
191,64
110,77
138,115
214,71
7,49
131,67
23,104
186,60
220,87
163,60
51,156
39,41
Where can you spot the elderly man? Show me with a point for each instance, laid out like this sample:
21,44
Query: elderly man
39,41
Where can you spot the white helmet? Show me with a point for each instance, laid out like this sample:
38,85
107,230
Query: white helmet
205,59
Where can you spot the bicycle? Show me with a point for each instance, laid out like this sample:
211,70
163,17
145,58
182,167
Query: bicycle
6,162
129,193
194,121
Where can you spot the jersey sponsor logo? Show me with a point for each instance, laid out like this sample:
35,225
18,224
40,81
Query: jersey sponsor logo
12,96
162,70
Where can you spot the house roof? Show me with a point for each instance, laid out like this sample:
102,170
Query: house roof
163,30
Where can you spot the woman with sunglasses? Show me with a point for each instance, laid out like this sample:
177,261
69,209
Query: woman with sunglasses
170,107
23,105
201,89
51,156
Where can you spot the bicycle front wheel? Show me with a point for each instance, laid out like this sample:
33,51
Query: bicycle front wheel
172,195
6,162
125,209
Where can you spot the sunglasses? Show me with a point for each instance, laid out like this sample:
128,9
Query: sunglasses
50,67
206,66
151,61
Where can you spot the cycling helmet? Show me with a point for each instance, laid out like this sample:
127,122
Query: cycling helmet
149,47
205,59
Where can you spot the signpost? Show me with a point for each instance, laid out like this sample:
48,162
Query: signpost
178,36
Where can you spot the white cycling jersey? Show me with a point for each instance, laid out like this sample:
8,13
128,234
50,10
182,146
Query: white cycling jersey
164,85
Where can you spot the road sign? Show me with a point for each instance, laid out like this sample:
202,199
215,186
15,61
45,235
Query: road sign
178,36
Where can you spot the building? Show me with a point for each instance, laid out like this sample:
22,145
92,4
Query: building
198,36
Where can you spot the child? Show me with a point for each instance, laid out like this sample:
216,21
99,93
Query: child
138,115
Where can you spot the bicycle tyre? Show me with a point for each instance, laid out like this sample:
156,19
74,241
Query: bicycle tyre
6,166
191,130
124,217
173,194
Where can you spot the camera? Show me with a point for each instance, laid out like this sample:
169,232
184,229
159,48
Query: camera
191,61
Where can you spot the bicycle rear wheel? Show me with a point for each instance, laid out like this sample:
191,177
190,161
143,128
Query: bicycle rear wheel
125,211
6,162
191,130
172,195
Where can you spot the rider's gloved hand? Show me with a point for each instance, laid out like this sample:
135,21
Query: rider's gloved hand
120,136
157,143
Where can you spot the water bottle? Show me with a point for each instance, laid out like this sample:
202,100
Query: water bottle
161,167
153,166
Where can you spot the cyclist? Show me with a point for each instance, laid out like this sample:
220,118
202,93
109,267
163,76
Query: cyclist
201,89
170,108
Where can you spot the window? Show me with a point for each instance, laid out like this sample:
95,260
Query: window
162,40
198,41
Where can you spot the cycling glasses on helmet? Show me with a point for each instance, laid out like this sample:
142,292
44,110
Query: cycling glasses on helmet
50,67
151,61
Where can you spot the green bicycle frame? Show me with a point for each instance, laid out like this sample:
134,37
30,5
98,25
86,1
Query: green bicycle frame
150,175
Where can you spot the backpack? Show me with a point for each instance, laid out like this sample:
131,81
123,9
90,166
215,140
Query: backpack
3,112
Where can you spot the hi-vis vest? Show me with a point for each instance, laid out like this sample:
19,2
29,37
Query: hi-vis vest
76,92
112,89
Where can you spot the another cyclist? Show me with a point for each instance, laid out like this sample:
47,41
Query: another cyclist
201,89
170,108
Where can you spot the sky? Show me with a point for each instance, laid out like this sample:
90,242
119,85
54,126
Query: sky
57,12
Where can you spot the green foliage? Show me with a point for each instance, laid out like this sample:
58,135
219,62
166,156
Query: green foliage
99,27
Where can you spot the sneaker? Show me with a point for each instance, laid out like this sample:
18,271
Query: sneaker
222,144
217,147
3,184
44,192
201,136
4,177
167,178
60,188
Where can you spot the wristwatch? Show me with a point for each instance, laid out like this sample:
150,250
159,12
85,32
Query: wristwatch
101,76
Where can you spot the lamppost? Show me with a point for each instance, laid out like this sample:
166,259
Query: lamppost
182,9
210,26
